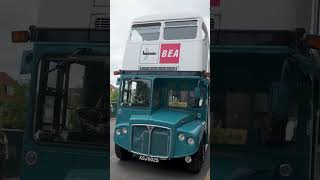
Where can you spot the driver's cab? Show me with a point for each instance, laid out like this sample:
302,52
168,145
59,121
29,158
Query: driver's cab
265,107
67,125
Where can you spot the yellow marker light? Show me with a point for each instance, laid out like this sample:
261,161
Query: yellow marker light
313,41
19,36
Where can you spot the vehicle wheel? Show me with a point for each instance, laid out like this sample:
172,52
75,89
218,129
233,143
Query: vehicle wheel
197,159
122,153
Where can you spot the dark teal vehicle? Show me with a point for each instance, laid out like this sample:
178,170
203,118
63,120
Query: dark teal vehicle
265,94
162,116
67,129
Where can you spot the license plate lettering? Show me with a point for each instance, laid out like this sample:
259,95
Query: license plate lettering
149,159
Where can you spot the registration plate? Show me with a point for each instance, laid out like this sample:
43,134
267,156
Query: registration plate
149,159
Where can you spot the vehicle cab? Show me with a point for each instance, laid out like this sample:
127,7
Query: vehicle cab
265,92
162,109
67,126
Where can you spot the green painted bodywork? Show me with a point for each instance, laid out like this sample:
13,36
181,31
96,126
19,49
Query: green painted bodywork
59,161
176,119
86,174
255,68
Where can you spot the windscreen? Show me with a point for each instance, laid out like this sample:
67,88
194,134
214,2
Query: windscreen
178,93
243,118
253,102
71,103
135,93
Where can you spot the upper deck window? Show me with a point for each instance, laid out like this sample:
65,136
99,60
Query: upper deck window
180,30
145,32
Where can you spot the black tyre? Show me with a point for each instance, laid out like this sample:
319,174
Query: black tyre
197,159
122,153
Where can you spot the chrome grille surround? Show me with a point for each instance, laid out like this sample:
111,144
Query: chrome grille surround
150,128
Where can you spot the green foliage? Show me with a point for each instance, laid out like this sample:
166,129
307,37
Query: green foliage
13,109
114,96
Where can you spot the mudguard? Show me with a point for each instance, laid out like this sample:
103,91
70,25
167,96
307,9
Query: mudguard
194,129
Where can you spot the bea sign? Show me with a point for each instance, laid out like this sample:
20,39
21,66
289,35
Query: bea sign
170,53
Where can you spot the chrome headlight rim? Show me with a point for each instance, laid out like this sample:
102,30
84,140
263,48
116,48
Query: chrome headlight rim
181,137
285,170
124,130
31,158
191,141
118,132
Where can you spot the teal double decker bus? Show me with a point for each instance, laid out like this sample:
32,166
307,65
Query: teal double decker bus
67,128
162,111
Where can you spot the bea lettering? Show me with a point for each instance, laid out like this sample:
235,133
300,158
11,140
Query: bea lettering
170,53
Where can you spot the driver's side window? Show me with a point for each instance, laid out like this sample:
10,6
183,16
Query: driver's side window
135,93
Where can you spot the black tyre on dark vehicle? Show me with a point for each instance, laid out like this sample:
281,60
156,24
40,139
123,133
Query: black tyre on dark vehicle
197,159
122,153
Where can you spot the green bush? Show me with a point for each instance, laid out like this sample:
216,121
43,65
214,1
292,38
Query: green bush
13,109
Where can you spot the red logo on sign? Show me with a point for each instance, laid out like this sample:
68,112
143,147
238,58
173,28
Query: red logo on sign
170,53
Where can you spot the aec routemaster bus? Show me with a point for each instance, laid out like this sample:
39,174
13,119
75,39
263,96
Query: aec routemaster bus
162,111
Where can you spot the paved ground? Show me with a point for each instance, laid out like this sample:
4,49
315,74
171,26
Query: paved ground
138,170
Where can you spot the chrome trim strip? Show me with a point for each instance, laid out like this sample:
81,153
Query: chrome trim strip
150,133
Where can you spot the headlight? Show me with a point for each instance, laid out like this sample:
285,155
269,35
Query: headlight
118,132
181,137
285,170
191,141
124,130
31,158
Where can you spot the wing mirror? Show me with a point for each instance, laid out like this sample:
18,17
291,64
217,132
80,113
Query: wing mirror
26,62
197,92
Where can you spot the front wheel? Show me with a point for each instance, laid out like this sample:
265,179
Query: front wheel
122,153
197,159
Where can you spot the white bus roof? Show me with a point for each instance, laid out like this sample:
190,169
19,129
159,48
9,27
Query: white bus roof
177,53
162,17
